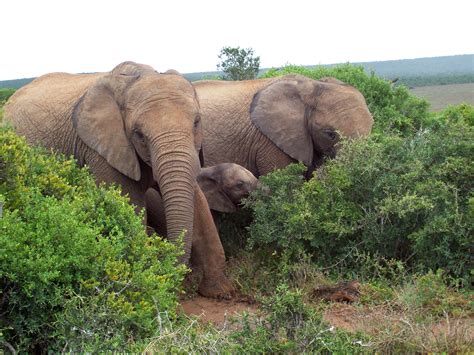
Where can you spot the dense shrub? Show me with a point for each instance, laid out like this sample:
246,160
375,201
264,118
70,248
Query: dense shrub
77,270
393,107
405,198
463,114
5,95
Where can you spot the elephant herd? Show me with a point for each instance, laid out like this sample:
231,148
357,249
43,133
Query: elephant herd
180,149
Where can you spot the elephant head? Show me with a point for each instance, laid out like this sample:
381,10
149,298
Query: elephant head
138,119
305,117
225,185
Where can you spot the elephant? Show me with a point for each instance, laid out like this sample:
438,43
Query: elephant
137,128
224,186
266,124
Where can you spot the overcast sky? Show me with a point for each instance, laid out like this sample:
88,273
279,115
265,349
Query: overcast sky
41,36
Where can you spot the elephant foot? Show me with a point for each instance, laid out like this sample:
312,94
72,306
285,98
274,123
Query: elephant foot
219,287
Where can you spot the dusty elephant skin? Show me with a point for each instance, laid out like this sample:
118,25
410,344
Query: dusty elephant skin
266,124
224,186
134,127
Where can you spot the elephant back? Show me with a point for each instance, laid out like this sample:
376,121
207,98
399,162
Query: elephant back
41,111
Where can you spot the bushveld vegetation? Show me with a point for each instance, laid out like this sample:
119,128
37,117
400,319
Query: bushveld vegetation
77,270
5,95
394,211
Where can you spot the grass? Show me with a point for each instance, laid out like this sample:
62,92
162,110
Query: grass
406,313
440,96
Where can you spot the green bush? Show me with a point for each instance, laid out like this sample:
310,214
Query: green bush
463,113
409,199
77,270
429,294
394,109
5,95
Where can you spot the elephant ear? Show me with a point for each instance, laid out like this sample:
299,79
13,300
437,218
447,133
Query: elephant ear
279,113
98,121
216,197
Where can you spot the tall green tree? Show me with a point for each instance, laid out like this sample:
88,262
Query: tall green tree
238,63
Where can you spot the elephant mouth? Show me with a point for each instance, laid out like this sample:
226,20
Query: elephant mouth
318,159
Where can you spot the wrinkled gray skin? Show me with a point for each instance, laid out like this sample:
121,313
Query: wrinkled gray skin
135,127
266,124
224,185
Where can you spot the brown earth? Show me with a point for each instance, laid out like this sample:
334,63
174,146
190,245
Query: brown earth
371,320
377,318
217,311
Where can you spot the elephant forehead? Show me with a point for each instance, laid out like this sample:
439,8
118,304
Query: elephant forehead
175,92
239,173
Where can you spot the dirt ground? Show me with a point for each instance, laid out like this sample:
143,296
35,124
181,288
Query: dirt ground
352,318
216,311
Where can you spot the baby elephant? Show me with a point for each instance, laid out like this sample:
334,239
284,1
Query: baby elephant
224,185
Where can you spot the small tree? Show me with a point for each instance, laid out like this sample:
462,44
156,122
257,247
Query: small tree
238,63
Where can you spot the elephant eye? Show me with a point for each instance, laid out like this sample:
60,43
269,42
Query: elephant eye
331,134
139,134
197,121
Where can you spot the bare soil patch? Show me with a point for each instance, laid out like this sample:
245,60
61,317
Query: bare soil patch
381,321
217,311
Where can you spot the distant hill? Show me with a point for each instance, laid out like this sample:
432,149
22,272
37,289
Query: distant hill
410,72
16,83
426,71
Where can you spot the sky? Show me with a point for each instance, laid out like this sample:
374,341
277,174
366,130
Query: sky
43,36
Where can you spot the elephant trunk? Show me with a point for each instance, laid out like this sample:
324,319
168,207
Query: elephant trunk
175,166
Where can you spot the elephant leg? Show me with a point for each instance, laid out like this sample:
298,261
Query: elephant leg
208,253
155,211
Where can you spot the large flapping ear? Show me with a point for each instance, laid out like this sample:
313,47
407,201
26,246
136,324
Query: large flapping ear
216,197
98,121
279,112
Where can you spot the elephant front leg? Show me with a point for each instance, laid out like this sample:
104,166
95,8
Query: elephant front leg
207,252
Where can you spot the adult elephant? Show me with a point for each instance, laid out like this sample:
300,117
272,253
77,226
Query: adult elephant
135,127
266,124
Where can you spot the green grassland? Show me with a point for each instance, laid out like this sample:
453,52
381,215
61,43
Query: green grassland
440,96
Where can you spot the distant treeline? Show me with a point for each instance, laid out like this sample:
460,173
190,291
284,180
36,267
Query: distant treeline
458,69
455,69
440,79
